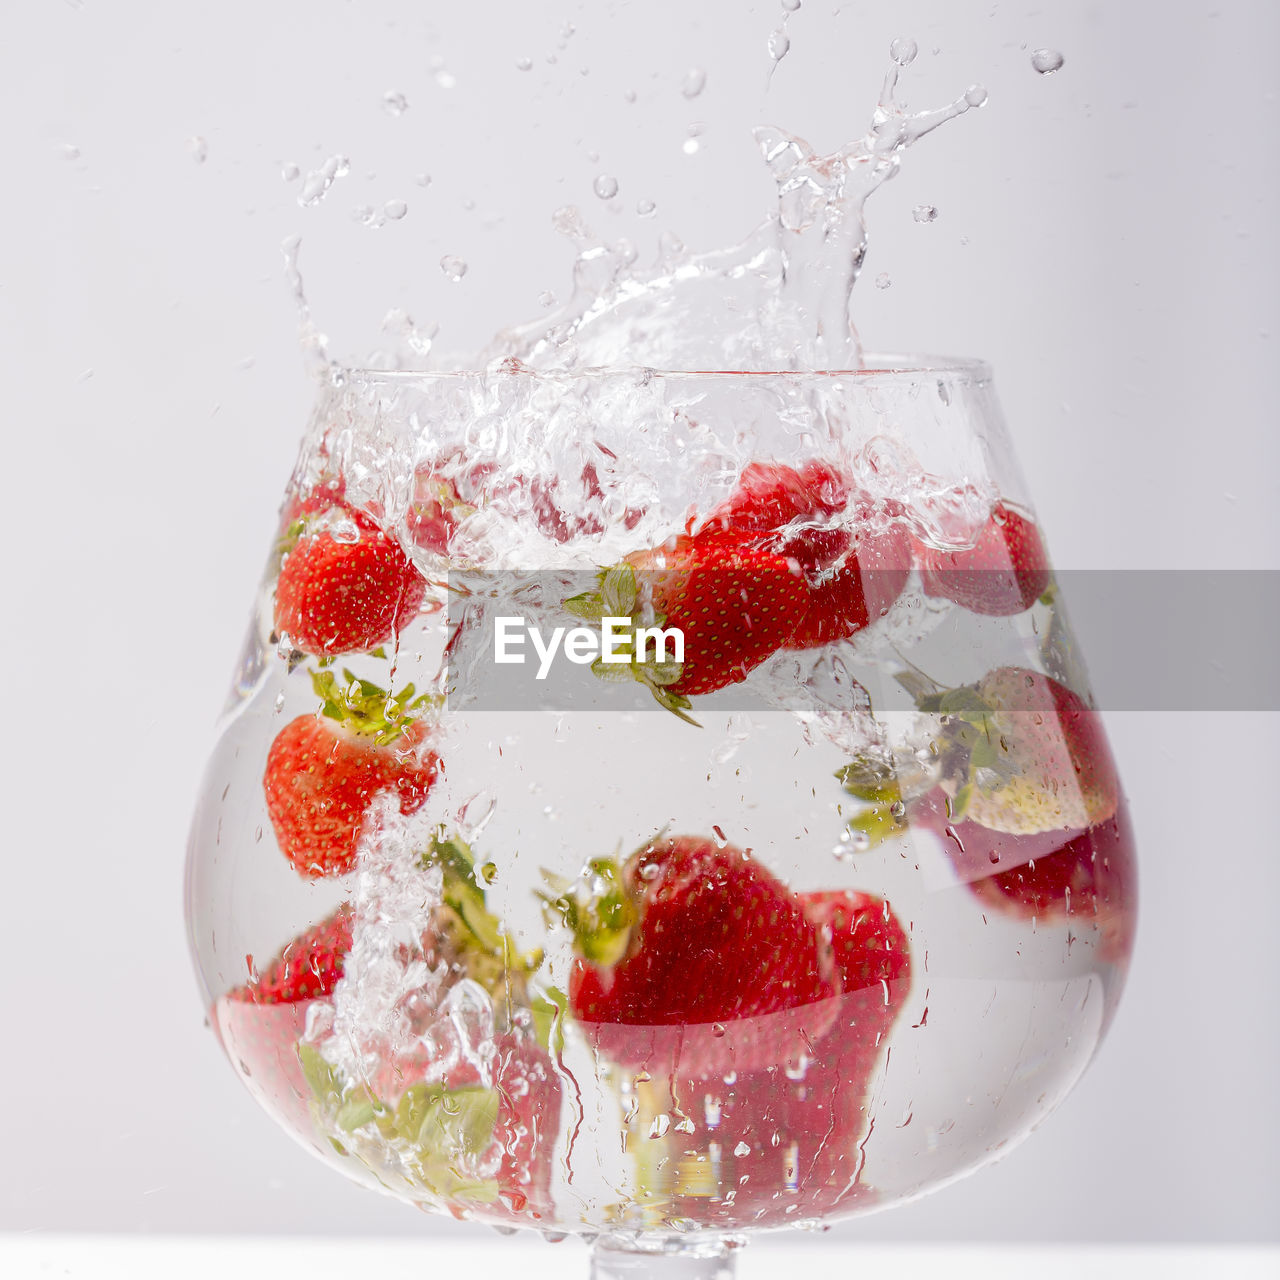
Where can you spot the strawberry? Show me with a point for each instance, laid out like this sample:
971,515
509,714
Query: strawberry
261,1021
1025,754
734,604
855,575
692,953
1086,875
786,1141
343,589
435,511
1005,571
324,770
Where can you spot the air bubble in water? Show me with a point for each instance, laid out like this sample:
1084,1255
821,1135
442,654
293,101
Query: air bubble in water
976,95
695,81
645,207
394,103
903,51
883,281
1047,61
453,268
924,213
394,210
605,186
199,148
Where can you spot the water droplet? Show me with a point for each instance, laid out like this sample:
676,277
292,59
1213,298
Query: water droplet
394,103
453,268
70,151
289,172
279,702
695,81
1047,61
605,186
546,298
741,1150
898,809
975,95
779,44
717,1028
791,5
860,842
394,210
903,51
199,149
645,207
524,64
661,1123
684,1126
721,838
317,183
883,281
924,213
629,96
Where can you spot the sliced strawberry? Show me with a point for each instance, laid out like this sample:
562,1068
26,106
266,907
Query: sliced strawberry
344,594
1005,572
323,772
694,954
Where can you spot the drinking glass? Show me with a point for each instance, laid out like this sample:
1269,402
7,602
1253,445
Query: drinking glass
816,911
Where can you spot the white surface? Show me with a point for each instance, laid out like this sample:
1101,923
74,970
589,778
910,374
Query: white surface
1105,238
133,1258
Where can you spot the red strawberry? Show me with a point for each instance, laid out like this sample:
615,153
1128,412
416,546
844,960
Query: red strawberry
323,772
787,1141
1005,572
339,595
736,606
855,576
261,1022
696,955
435,511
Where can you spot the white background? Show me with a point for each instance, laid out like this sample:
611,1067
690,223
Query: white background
1106,238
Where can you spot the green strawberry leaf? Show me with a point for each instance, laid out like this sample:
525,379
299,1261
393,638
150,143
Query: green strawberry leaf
597,909
870,778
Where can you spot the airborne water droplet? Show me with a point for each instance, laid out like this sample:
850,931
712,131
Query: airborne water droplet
883,281
645,207
1047,61
290,172
903,51
741,1150
924,213
661,1123
791,5
394,210
695,81
976,95
779,44
605,186
524,64
199,148
453,268
394,103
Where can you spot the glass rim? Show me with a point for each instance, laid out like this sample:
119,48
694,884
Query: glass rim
877,367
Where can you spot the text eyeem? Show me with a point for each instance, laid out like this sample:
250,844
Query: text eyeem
619,642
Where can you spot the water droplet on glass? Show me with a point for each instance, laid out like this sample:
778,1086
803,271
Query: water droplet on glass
524,64
453,268
279,702
791,5
661,1123
975,95
394,103
290,172
423,179
199,149
1047,61
605,186
924,213
779,44
717,1029
645,207
903,51
317,183
883,281
695,81
860,842
741,1150
394,210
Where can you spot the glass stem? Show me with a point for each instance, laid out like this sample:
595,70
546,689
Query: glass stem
613,1259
